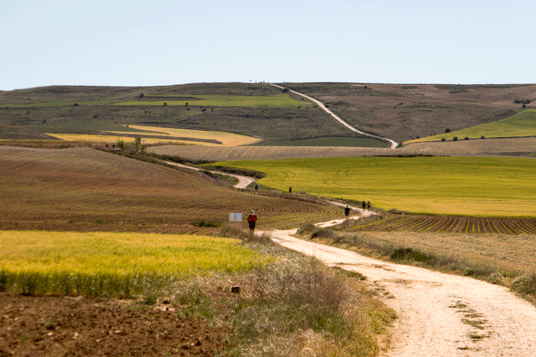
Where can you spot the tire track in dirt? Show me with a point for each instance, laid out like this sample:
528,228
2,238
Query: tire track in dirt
440,315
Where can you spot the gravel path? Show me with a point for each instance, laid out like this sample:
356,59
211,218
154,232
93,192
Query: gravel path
439,314
243,181
336,117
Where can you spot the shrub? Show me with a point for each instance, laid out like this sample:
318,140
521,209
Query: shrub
482,137
443,139
466,138
285,90
306,228
447,130
525,284
322,233
206,223
121,144
455,138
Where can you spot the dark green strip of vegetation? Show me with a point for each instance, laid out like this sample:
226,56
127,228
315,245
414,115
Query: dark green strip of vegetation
330,141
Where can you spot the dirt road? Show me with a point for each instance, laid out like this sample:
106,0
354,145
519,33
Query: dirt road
336,117
438,314
243,181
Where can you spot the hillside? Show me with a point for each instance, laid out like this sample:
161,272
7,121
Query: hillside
404,112
90,190
256,110
400,112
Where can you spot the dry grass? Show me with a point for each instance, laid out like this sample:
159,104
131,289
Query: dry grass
508,252
500,259
298,307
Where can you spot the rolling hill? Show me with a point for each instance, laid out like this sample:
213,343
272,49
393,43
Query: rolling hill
90,190
400,112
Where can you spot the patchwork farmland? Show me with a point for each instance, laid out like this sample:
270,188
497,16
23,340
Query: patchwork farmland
120,209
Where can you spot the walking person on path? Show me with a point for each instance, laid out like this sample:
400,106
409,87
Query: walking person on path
364,205
252,219
346,211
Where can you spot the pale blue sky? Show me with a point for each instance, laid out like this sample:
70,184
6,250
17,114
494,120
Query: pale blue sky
145,43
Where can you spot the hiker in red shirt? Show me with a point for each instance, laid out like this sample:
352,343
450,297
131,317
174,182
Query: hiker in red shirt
252,218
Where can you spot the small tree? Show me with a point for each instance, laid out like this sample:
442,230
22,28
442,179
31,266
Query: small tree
121,144
137,143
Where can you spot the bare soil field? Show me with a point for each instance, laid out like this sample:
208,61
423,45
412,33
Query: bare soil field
82,189
78,326
450,224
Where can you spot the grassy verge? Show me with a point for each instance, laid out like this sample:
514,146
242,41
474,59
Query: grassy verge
279,303
498,259
291,307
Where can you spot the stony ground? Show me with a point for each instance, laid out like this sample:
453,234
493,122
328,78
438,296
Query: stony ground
78,326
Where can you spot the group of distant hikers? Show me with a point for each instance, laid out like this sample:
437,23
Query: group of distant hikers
365,205
252,218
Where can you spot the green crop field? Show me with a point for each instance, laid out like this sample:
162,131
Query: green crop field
483,186
277,101
104,259
331,141
520,124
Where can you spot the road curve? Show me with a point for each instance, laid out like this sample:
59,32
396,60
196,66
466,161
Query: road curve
439,315
243,181
336,117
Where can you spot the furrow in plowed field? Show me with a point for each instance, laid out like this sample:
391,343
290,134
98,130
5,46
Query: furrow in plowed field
90,190
451,224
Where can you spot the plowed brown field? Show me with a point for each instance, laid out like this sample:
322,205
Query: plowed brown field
89,190
450,224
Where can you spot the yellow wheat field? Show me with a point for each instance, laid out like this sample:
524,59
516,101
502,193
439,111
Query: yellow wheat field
113,139
158,135
226,139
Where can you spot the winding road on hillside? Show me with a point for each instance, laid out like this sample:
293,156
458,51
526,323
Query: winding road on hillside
336,117
243,181
439,315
